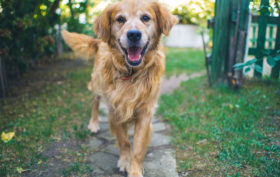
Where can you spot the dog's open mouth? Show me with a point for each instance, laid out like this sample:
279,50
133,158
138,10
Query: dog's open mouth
134,54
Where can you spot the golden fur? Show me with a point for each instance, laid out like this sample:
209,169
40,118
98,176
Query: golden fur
131,100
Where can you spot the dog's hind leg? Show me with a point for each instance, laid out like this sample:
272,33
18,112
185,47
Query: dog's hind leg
120,132
94,120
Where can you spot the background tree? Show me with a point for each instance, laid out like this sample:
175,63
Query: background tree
29,30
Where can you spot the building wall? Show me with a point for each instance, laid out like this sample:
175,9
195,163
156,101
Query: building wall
185,36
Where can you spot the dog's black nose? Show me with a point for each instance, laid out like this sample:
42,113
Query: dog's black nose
134,35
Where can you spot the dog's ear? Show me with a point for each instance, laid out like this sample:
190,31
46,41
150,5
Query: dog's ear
83,45
165,19
102,25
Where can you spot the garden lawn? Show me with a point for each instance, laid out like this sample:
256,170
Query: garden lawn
59,111
54,108
182,60
218,132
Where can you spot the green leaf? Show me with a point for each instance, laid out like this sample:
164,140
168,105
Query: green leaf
250,62
238,68
277,58
271,61
237,65
247,69
266,52
258,68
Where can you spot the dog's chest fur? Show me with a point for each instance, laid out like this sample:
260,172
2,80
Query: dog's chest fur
127,97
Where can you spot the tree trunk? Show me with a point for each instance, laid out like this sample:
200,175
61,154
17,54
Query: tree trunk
71,9
2,79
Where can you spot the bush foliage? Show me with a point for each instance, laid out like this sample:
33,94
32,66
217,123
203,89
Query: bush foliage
26,32
195,12
29,30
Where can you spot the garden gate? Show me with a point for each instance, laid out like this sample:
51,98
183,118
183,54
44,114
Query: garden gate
265,39
231,24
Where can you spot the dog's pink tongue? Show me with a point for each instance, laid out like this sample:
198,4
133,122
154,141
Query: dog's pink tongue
134,53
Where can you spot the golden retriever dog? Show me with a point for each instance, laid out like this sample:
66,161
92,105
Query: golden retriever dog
127,71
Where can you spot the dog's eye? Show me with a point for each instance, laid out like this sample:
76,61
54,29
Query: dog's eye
145,18
121,19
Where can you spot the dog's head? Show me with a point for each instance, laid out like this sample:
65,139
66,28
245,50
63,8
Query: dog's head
134,27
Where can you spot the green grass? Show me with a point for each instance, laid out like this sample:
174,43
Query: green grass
58,111
180,61
218,132
76,169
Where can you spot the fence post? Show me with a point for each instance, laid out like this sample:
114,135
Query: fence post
238,39
220,39
276,69
229,37
262,34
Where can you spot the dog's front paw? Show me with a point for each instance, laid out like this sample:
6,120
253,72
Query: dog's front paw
123,163
93,127
135,175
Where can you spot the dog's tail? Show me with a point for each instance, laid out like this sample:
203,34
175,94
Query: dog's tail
85,46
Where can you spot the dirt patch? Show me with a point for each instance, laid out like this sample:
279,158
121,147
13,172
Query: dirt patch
173,82
32,81
58,155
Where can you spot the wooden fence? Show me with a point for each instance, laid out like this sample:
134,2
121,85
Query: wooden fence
230,32
265,38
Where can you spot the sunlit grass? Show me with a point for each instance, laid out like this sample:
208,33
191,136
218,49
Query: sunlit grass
218,132
184,60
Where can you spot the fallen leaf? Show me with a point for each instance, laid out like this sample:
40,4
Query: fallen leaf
202,142
20,170
6,137
57,157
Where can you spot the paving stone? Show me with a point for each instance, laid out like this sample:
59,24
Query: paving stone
94,143
159,139
103,119
114,175
131,131
173,82
104,126
107,135
104,160
96,170
112,149
158,126
154,120
103,106
160,163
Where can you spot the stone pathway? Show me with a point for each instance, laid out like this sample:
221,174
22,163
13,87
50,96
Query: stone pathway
101,155
160,159
171,83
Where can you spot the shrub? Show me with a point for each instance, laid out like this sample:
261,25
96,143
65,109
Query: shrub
195,12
